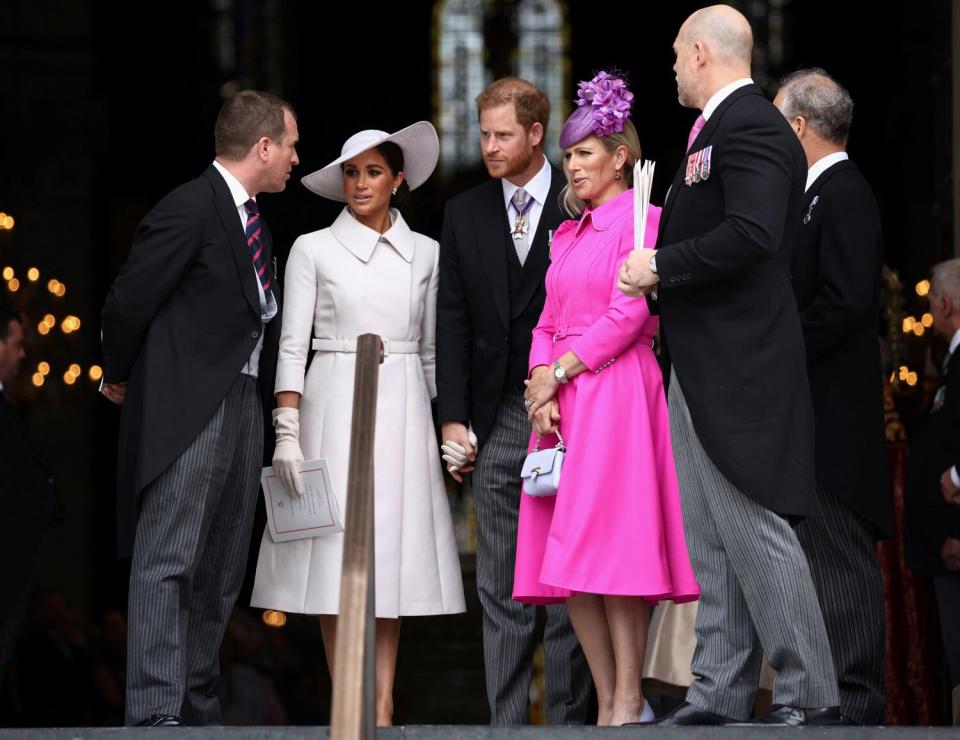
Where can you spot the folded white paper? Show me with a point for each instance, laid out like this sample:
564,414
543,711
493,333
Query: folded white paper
642,184
293,517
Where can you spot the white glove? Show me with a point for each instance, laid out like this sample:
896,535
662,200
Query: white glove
287,455
454,454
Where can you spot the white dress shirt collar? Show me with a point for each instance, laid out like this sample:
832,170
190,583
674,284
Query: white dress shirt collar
822,165
237,191
955,342
720,95
538,186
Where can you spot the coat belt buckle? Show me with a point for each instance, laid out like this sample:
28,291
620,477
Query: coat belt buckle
559,334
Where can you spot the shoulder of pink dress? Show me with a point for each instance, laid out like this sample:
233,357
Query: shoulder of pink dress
562,237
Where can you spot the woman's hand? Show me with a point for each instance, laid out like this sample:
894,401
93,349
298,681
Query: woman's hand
546,417
541,387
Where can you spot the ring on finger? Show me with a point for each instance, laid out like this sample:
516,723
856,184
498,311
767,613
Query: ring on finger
527,403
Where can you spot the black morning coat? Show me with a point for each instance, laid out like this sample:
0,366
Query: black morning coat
729,318
484,331
934,446
179,324
836,277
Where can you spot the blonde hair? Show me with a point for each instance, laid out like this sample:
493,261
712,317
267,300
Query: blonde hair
628,139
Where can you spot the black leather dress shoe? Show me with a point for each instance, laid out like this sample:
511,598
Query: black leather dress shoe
161,720
688,714
787,716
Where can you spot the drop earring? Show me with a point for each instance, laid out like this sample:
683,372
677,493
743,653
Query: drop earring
394,191
617,175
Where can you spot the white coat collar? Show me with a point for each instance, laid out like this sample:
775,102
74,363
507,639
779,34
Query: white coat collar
361,240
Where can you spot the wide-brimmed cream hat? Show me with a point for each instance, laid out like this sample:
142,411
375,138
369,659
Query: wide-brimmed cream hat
421,150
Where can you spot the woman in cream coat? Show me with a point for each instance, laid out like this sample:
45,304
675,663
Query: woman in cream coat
367,273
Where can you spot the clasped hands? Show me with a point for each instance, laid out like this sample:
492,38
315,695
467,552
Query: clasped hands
539,400
635,277
459,449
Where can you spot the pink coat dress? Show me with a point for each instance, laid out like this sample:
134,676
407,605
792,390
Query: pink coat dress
615,526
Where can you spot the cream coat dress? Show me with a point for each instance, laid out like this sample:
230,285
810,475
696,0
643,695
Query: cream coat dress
342,282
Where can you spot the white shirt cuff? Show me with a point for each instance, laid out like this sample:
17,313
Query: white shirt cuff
954,477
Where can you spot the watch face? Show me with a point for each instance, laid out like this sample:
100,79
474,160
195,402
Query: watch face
558,373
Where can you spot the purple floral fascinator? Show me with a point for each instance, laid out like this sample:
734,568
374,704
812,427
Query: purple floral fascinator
603,106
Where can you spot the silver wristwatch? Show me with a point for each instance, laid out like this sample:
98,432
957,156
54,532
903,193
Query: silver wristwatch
559,373
653,264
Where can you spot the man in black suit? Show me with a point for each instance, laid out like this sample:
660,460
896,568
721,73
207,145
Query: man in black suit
739,399
494,252
836,277
932,515
189,328
28,500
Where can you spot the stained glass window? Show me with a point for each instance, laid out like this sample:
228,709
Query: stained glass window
462,76
462,71
541,57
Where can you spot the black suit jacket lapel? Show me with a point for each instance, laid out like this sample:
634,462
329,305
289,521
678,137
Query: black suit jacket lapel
817,185
535,266
233,232
491,227
702,138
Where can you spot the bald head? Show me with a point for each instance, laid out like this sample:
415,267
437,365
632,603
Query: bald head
724,31
713,49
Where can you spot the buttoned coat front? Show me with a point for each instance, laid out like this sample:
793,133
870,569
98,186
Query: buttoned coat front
342,282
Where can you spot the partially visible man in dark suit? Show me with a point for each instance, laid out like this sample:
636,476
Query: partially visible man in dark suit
739,399
836,277
28,500
494,252
932,516
189,328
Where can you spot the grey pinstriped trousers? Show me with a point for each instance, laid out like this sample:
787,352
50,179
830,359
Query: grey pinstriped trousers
508,625
189,558
839,549
757,598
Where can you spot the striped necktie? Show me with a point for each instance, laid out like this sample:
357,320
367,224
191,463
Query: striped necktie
255,243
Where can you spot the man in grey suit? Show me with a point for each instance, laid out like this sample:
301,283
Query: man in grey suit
494,253
739,399
835,272
190,331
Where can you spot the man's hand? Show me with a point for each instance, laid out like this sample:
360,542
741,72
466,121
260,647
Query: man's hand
635,277
546,417
459,449
541,387
951,492
115,392
951,554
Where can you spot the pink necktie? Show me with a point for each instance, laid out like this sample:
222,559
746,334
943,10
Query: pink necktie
697,127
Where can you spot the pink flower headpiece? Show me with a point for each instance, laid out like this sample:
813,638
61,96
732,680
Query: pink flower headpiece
603,107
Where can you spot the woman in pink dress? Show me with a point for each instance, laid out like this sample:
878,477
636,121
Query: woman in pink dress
610,543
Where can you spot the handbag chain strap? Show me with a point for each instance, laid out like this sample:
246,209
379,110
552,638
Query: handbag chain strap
562,446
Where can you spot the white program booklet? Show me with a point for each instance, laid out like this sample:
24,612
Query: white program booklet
293,517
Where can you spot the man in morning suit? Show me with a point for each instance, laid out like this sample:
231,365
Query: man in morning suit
739,399
28,501
836,277
494,252
189,328
932,516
